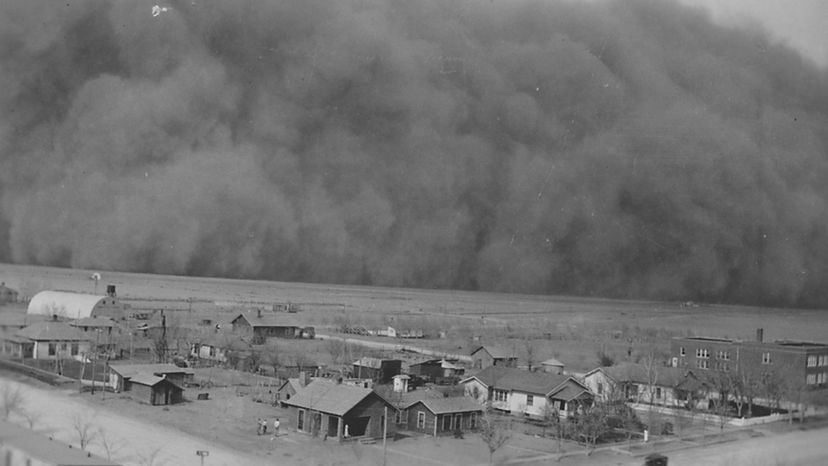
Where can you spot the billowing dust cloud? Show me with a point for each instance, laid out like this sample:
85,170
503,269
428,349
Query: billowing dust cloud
623,149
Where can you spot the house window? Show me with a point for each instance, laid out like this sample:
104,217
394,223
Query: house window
822,378
300,421
811,379
500,395
600,388
458,421
530,400
52,349
473,421
658,392
682,352
766,358
74,349
447,423
398,417
812,361
420,420
702,363
823,360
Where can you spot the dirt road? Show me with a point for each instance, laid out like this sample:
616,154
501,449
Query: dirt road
135,442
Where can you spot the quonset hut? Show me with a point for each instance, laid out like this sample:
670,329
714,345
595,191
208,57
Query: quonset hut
77,305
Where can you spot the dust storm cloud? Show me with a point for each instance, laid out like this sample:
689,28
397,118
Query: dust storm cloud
623,149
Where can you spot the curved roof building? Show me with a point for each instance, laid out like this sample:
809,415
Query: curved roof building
75,305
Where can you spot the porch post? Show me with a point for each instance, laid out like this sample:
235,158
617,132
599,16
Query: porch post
339,428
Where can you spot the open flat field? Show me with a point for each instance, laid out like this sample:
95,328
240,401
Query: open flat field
571,313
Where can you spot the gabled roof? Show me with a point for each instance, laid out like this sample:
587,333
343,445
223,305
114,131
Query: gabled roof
496,352
374,363
102,322
268,319
552,362
455,404
132,370
51,331
518,380
151,380
666,376
329,397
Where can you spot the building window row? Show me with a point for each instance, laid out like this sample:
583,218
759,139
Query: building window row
814,379
817,360
723,355
702,363
702,353
766,358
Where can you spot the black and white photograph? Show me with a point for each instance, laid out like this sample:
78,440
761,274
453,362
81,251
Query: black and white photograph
413,232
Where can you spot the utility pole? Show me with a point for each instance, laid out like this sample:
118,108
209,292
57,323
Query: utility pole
95,361
384,436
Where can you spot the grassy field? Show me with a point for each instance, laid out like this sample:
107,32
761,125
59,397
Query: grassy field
569,328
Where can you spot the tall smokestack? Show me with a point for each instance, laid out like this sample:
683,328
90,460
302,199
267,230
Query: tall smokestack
760,334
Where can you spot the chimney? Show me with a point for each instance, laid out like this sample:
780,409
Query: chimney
760,334
110,291
303,378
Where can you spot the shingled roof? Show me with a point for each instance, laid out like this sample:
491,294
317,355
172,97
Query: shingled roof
509,378
51,331
329,397
496,352
268,319
454,404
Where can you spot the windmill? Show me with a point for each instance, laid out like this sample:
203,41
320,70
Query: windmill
96,277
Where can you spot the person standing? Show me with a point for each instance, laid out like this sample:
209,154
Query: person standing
276,425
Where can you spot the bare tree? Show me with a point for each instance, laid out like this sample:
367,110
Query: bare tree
493,434
272,356
110,445
592,425
152,458
31,417
84,429
12,400
530,353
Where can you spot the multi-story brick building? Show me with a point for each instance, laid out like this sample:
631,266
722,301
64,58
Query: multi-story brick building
798,363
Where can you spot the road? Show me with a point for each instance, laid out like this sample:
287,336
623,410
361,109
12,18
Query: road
135,441
799,448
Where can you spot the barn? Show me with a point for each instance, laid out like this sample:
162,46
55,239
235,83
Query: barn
77,305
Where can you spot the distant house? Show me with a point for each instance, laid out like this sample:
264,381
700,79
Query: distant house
659,385
77,305
123,375
7,295
437,370
381,371
49,340
487,356
327,408
11,322
260,326
21,446
553,366
526,393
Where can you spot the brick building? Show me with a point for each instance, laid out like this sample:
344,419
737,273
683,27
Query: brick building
798,363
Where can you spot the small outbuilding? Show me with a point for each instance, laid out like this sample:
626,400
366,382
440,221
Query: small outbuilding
122,375
489,355
154,390
7,295
381,371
